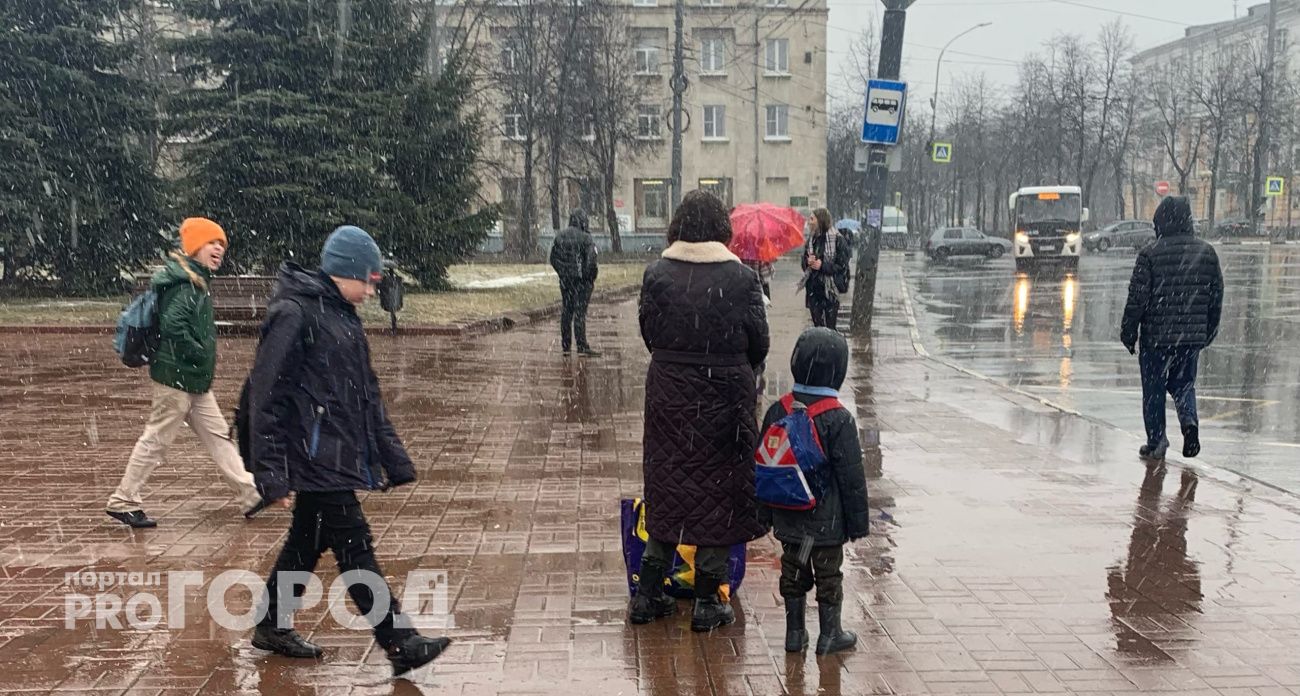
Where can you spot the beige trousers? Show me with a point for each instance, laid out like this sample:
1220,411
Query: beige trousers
171,408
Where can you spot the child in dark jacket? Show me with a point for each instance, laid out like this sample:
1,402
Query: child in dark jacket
319,432
813,540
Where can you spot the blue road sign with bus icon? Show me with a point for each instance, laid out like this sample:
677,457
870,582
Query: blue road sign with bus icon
883,118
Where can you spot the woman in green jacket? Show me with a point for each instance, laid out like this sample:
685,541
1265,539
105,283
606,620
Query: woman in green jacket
182,373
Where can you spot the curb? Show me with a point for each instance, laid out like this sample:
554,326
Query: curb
479,327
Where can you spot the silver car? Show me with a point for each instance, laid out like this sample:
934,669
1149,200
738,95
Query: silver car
947,242
1132,234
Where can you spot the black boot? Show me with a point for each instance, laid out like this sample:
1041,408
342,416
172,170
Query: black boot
650,602
1154,453
284,641
134,518
832,638
414,652
1191,441
796,634
710,612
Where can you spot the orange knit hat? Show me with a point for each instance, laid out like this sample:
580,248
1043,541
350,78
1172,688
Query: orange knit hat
196,232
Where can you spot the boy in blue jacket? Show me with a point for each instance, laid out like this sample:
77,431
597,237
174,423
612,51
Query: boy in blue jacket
813,540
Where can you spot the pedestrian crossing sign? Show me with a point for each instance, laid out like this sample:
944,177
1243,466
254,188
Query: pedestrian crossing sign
942,153
1276,186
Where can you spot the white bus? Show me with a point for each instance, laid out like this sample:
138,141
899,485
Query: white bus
1047,226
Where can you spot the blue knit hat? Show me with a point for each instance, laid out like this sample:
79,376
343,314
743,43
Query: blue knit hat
350,252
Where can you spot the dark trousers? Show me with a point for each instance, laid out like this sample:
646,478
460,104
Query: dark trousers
825,314
574,296
710,561
1171,371
821,568
331,521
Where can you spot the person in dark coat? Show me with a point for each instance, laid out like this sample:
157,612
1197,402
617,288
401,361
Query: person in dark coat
573,256
703,321
1175,299
319,429
812,541
822,256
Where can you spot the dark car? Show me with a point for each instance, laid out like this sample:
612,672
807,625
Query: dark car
964,241
1232,227
1133,234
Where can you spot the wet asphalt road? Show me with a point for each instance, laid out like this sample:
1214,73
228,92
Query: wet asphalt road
1056,336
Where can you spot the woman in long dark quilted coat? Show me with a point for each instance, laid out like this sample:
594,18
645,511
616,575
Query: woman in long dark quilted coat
703,320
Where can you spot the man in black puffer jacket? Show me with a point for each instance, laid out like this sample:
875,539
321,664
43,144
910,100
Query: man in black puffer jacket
573,256
1174,303
318,432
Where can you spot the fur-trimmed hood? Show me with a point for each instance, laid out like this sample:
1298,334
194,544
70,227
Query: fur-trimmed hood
699,252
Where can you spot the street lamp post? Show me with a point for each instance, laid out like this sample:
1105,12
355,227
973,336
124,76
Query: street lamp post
934,100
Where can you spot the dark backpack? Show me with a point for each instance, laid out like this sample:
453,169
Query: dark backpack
138,335
241,425
843,261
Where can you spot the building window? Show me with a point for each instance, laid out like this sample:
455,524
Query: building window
645,3
715,122
778,122
651,203
512,196
509,60
647,122
718,186
711,3
647,60
589,128
776,3
713,57
778,56
512,126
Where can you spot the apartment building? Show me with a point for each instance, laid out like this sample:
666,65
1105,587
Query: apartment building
1242,43
754,125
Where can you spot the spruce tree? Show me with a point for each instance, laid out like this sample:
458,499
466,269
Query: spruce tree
437,149
299,114
78,197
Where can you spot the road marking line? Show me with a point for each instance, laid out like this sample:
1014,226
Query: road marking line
1131,392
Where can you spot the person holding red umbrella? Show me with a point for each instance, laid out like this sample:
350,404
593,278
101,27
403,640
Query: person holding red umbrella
761,233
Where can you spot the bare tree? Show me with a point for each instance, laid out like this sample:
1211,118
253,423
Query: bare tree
572,19
1217,90
1177,128
524,80
612,94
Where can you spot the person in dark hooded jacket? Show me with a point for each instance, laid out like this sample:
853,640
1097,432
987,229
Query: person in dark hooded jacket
318,429
573,256
813,541
1175,300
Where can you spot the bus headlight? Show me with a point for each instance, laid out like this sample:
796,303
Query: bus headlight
1072,238
1022,238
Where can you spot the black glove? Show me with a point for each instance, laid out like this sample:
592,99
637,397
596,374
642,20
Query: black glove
1132,347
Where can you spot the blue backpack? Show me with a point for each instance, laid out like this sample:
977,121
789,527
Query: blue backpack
138,335
790,463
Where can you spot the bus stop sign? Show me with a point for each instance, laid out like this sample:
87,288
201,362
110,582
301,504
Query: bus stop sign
883,119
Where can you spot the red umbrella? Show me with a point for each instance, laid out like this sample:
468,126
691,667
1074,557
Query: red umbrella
763,232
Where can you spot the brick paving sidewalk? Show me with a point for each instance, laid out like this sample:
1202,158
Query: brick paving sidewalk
1014,549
